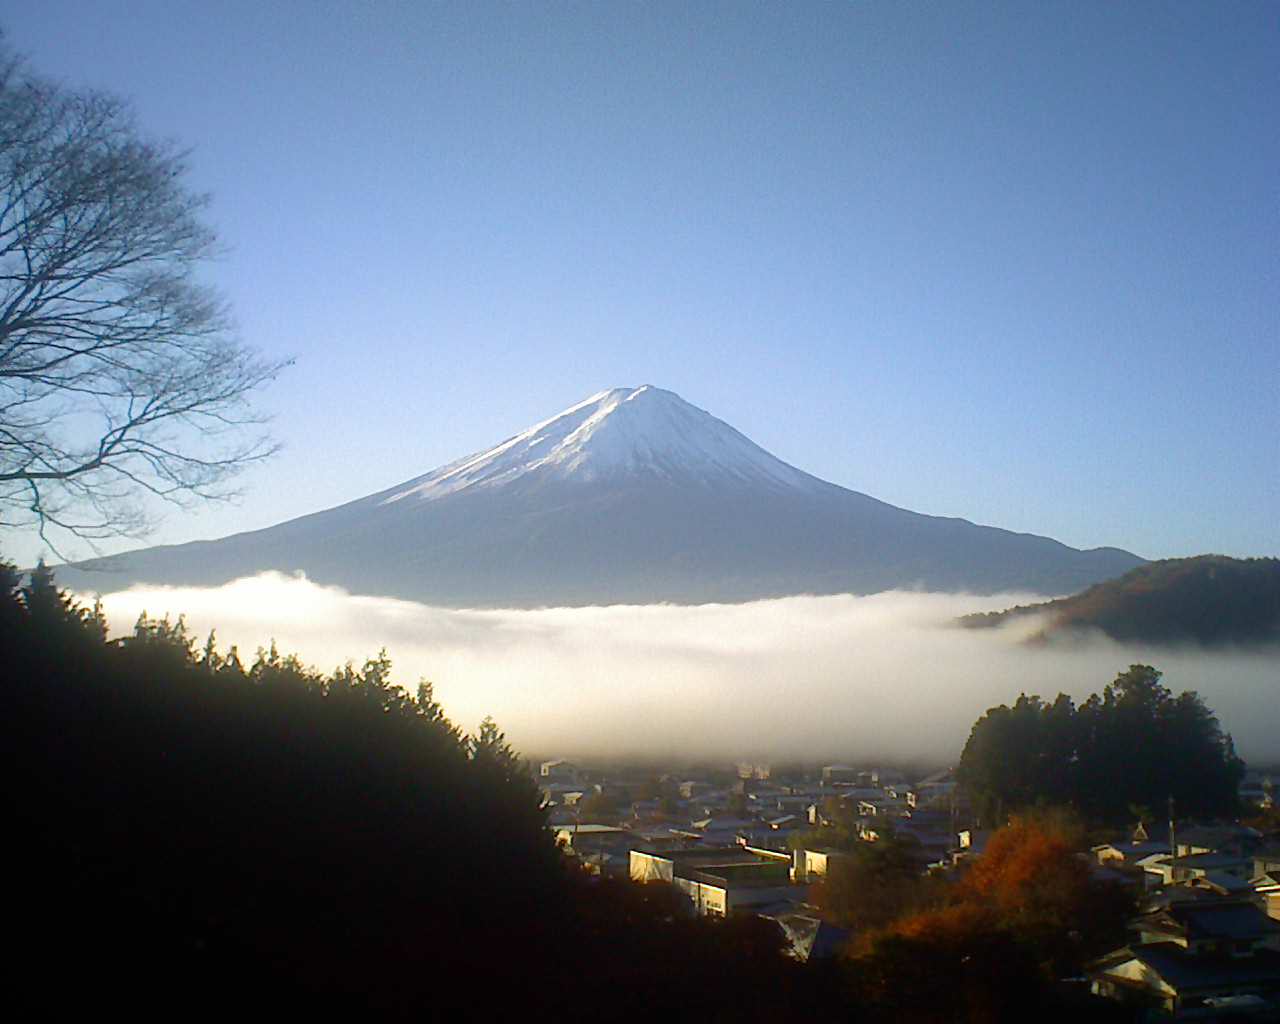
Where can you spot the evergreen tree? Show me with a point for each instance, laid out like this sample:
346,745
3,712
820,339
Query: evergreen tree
1136,743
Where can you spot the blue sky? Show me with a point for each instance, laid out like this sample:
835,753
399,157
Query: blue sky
1016,263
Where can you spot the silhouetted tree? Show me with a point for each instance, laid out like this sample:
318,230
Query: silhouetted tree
12,612
872,885
54,617
1134,744
119,372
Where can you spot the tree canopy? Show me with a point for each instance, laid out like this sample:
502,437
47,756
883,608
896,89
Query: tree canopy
212,834
1135,744
996,938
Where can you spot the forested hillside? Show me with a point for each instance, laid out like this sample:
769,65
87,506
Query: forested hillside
1209,600
195,835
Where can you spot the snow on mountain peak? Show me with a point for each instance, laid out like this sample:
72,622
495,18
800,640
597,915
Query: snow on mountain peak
618,433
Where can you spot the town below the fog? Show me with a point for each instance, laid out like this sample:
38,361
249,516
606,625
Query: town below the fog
814,849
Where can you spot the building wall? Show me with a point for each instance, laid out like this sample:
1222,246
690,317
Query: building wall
708,900
645,867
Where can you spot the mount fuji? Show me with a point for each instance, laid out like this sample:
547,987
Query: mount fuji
631,496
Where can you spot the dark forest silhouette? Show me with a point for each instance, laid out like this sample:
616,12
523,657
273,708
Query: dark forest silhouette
196,835
1135,745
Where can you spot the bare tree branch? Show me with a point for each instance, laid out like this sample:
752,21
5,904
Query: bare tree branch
120,374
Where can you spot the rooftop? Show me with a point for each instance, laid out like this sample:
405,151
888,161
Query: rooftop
1187,971
1236,919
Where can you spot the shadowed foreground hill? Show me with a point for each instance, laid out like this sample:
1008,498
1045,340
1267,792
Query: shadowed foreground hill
198,838
1209,600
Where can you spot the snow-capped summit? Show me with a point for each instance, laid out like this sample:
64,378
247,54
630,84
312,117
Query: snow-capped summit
618,433
634,496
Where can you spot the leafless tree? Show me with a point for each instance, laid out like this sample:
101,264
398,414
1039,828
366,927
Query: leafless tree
120,373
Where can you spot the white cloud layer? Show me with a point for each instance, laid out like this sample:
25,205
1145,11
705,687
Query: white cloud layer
885,676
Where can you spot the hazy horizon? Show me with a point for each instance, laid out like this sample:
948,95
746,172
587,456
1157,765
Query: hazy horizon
881,677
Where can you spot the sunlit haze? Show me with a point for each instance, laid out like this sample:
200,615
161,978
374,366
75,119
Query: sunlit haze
799,678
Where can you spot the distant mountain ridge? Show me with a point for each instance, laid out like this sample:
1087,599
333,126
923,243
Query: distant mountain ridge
631,496
1209,600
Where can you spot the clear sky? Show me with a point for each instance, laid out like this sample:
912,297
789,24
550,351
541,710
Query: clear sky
1016,262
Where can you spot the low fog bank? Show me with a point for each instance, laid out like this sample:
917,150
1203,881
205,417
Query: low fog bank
887,676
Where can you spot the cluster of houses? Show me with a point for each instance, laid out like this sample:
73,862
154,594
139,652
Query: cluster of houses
730,847
1206,944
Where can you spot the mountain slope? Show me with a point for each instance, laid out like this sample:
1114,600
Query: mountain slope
633,495
1210,600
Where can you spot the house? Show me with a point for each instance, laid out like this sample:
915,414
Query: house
808,937
971,842
1139,859
1130,855
808,864
1266,860
554,793
1196,865
721,831
1230,926
1103,874
601,849
931,793
885,777
1196,959
583,839
933,819
720,881
1265,880
1238,839
926,847
1221,884
834,773
790,803
1165,977
771,834
869,830
883,805
1266,889
1155,869
558,770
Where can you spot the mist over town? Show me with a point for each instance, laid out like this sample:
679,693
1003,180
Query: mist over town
886,676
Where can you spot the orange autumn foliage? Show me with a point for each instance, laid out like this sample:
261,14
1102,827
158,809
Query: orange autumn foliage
1027,911
1028,876
1029,867
946,925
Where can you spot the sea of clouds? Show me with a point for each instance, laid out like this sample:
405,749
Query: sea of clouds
888,676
